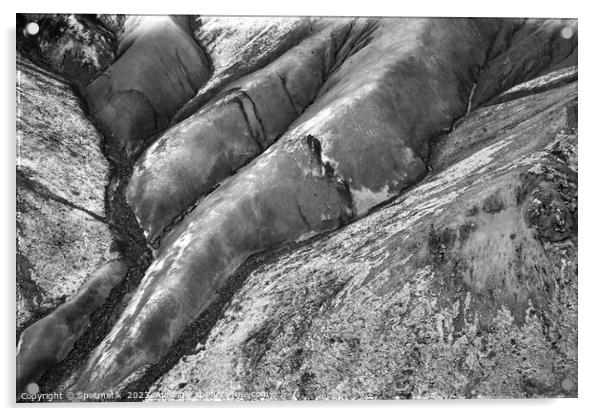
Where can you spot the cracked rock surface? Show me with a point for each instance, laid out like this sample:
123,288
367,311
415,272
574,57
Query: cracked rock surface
320,208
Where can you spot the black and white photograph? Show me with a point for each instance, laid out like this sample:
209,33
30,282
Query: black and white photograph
280,208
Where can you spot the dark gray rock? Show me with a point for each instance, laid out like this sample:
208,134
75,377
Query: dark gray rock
195,155
78,47
526,49
47,342
160,67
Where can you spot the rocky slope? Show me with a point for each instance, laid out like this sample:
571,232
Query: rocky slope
464,287
62,231
237,144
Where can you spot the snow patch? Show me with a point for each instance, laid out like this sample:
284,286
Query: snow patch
365,198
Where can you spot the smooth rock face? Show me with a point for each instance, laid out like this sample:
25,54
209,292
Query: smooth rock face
191,158
463,287
62,234
160,67
48,341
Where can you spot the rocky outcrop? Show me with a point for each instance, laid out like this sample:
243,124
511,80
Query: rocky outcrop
237,156
78,47
62,231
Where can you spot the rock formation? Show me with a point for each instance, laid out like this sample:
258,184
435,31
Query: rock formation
239,146
463,287
62,230
160,67
48,341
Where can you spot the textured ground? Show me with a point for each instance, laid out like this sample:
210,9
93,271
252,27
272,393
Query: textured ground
304,208
62,232
464,287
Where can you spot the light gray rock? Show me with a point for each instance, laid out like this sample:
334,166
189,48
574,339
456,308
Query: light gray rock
62,233
237,46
